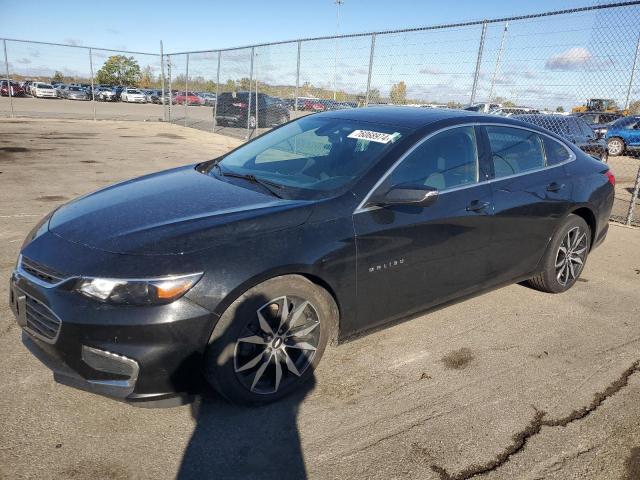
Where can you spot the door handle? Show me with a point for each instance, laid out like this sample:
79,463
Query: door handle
555,187
477,206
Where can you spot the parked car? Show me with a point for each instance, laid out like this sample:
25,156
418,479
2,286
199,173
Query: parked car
233,109
623,135
599,121
26,86
574,129
44,90
104,94
244,267
189,98
156,97
10,87
510,111
118,91
208,99
59,88
75,93
132,95
482,107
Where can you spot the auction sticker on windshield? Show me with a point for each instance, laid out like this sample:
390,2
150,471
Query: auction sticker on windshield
374,136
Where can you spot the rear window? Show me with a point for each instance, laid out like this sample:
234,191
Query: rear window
515,150
555,152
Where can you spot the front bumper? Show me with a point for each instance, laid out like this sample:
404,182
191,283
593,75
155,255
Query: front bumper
136,354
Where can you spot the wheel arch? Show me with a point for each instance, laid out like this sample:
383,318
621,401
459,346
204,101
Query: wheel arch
587,214
301,270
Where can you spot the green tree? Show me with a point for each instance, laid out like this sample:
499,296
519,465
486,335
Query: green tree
398,93
119,70
58,76
560,109
146,78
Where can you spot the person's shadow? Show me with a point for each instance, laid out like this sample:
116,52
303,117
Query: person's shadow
239,442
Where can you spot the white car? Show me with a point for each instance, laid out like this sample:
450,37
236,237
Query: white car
133,95
43,90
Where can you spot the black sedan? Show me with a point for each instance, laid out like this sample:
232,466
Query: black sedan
245,267
574,129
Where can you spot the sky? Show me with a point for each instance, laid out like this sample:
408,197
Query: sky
139,25
555,61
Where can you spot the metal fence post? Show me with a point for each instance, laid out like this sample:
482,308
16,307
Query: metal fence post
633,73
255,73
498,59
295,105
215,105
478,63
186,91
249,102
93,92
164,108
634,199
170,100
373,46
6,65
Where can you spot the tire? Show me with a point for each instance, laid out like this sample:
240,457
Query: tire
616,146
250,360
565,257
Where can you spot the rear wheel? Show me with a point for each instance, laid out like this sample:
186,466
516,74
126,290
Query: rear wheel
616,146
565,257
268,342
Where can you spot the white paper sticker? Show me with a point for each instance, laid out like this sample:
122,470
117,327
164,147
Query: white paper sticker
374,136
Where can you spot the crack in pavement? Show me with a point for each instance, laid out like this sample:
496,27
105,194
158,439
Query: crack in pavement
520,439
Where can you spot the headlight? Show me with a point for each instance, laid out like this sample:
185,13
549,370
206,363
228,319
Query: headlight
148,291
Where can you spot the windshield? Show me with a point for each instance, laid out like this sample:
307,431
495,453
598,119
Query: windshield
75,89
133,91
313,155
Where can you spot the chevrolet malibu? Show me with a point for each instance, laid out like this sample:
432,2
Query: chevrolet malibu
240,270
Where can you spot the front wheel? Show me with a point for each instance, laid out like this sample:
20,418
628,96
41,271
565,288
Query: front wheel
616,146
565,257
269,341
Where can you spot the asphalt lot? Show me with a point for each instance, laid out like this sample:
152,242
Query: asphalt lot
515,383
199,117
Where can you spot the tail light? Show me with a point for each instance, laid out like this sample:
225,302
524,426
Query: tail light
611,177
239,105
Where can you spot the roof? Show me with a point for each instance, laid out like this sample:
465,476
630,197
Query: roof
409,117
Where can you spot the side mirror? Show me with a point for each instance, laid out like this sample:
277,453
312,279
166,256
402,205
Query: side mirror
420,196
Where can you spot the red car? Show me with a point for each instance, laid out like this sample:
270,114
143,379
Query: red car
313,105
16,89
189,98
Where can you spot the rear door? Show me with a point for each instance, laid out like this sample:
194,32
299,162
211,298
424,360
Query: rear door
531,193
411,257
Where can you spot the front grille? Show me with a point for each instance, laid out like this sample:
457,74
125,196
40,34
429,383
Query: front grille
38,270
41,321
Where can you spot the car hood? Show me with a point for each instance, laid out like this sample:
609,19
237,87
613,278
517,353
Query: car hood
173,212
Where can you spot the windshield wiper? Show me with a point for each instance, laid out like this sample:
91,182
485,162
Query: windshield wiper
267,184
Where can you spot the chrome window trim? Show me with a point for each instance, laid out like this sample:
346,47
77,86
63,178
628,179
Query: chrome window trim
362,208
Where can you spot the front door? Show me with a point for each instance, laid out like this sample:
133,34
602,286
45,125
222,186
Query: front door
410,257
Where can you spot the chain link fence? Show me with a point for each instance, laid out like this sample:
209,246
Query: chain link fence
574,72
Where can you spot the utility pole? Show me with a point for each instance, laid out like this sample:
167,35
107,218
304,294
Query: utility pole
335,63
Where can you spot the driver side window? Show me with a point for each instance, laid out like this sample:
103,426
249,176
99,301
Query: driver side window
447,160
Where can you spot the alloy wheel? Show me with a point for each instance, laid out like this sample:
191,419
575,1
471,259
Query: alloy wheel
615,146
278,345
571,256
